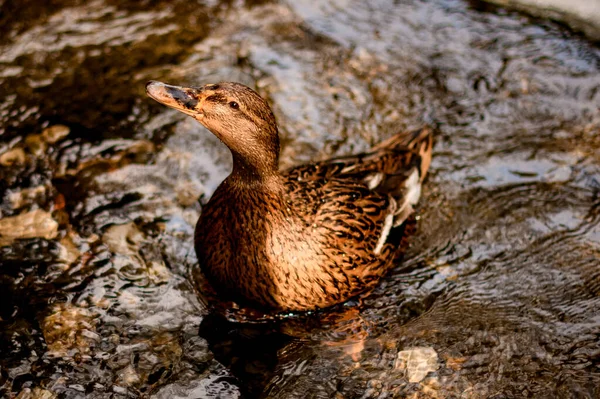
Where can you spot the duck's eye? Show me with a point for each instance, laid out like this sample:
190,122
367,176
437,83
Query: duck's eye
234,105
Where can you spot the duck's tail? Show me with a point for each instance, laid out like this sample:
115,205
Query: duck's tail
419,141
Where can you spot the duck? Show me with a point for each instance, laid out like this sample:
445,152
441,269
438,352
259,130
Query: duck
304,238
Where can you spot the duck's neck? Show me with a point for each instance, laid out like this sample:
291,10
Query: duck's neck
256,168
253,171
249,187
256,162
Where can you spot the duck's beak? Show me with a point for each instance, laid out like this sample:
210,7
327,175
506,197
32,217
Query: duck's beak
183,99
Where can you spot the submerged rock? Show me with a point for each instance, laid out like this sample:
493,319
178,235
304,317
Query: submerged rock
34,224
36,144
28,196
55,133
15,156
69,329
417,362
123,239
36,393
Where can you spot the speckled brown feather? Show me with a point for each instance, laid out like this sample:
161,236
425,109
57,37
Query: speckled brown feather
308,237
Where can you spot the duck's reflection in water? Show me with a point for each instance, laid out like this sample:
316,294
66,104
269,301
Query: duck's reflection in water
263,353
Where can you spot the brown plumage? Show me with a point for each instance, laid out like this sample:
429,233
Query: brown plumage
307,237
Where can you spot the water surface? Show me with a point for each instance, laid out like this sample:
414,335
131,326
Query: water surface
498,297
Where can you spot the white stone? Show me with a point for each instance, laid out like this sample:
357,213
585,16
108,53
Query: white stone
417,362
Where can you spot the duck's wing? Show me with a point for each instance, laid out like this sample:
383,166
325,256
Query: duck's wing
351,231
356,209
394,169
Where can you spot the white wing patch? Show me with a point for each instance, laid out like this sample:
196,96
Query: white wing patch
349,168
387,226
412,193
397,215
413,188
374,180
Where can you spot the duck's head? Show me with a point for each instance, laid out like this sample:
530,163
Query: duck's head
234,113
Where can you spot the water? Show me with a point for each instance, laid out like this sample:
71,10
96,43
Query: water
498,297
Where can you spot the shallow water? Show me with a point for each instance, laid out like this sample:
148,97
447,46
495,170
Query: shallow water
498,297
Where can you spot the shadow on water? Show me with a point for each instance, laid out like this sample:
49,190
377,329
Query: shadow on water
250,352
100,190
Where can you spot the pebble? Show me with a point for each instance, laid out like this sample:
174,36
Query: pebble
27,196
55,133
123,239
35,393
15,156
417,362
36,145
34,224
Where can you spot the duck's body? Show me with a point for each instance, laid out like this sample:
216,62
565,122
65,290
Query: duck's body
308,237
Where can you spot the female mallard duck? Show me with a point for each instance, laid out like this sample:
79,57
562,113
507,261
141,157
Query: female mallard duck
307,237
